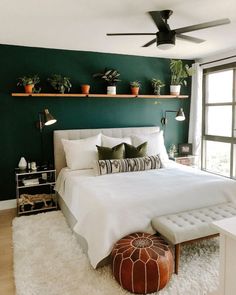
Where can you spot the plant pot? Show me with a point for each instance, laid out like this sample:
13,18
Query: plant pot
29,88
85,88
111,89
171,154
135,90
157,91
175,89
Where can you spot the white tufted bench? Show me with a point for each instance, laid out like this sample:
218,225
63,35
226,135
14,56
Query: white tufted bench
189,226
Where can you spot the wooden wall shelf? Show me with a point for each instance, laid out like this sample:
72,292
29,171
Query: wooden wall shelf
99,95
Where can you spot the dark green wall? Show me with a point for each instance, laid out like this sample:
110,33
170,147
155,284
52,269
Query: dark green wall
19,137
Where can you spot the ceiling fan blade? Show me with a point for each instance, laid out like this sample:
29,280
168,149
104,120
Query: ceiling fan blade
150,43
131,34
191,39
201,26
158,20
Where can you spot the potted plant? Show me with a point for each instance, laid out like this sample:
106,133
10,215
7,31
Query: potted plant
172,150
60,83
111,76
157,85
85,88
29,83
179,75
135,86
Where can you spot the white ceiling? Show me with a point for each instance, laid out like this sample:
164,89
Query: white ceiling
83,24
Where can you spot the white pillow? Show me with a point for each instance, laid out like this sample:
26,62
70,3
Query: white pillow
155,144
113,141
81,153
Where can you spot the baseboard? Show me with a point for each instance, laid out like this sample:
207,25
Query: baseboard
8,204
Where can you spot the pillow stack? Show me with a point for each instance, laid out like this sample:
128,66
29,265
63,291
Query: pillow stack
145,154
112,154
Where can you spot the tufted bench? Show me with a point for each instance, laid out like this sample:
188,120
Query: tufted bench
191,225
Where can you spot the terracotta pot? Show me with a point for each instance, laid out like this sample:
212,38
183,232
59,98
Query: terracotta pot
175,89
29,88
85,88
135,90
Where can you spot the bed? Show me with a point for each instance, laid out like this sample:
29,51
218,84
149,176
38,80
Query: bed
103,209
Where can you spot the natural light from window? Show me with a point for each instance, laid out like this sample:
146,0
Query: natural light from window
218,157
219,120
219,87
219,111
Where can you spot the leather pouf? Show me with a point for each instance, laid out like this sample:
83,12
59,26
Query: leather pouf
142,263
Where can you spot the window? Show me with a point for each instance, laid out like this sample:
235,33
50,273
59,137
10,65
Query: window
219,122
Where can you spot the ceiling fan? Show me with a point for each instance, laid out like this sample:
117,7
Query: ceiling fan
165,37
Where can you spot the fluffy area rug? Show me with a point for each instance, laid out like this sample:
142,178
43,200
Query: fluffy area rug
48,260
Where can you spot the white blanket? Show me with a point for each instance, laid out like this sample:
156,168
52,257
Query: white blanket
111,206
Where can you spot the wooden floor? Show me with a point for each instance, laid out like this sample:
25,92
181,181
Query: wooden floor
7,286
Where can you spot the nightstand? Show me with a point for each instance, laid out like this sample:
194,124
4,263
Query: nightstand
35,190
186,160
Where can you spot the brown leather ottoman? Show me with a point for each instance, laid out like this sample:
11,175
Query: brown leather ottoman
142,263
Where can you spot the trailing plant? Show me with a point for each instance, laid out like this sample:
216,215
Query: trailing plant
157,85
111,76
60,83
29,80
179,72
135,84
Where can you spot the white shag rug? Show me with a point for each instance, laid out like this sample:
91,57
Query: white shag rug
48,260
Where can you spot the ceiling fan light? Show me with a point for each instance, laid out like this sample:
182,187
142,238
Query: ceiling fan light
165,40
165,46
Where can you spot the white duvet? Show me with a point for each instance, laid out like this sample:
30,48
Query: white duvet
111,206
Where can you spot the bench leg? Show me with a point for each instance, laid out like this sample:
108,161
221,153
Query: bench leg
177,255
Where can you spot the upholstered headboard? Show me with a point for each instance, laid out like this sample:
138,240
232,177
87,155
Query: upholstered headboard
59,155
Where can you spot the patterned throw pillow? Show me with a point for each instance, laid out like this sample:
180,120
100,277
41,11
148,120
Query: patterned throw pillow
135,152
127,165
106,153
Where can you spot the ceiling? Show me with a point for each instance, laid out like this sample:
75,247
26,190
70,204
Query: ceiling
83,24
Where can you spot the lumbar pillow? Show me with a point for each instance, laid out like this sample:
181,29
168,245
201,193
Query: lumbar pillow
135,152
112,141
155,144
81,153
106,153
127,165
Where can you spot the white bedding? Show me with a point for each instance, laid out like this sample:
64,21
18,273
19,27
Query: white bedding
111,206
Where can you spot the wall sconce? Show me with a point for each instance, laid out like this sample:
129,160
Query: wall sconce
180,116
45,119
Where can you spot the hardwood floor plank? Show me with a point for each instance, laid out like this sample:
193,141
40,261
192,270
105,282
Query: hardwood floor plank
7,285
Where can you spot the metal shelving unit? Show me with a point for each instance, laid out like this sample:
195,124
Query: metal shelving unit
35,190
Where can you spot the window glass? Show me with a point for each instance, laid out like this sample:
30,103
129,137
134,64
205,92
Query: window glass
219,87
234,130
217,157
219,120
234,161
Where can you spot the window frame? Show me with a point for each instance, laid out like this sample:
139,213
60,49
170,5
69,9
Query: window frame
225,139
